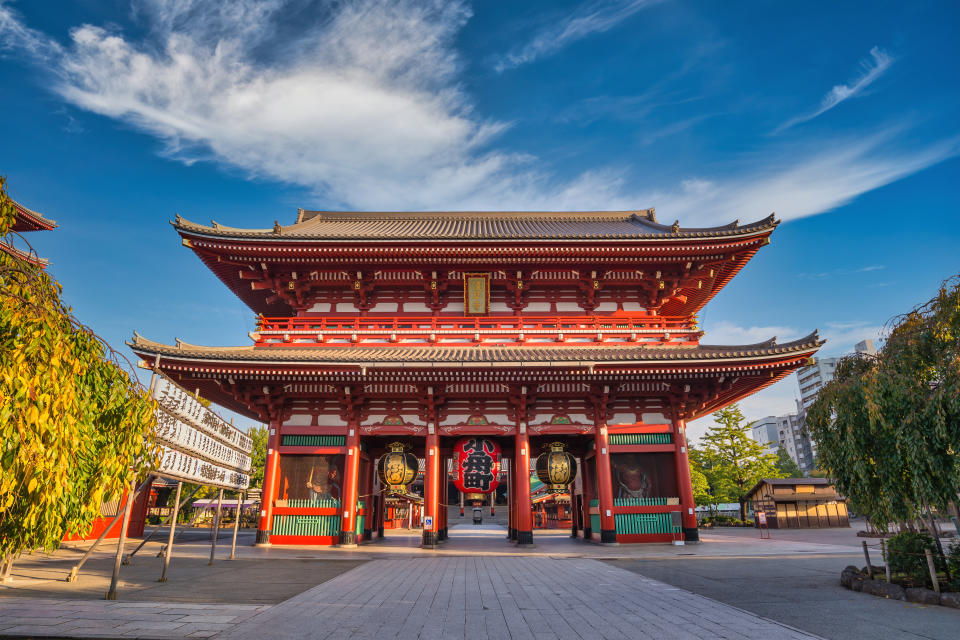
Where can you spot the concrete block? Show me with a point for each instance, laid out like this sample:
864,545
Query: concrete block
951,599
922,596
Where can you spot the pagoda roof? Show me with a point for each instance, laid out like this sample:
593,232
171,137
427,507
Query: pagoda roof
32,258
452,355
385,226
29,220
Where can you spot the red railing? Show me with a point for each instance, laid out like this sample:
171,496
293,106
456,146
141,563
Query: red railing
332,331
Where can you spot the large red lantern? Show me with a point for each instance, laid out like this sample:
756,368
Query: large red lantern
477,463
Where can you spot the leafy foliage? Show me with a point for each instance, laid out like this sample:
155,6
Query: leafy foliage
786,465
905,553
888,427
732,461
258,457
74,426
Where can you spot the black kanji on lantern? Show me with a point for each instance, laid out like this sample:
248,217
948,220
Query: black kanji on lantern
479,464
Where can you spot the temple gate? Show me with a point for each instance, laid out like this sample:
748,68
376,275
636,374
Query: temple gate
529,329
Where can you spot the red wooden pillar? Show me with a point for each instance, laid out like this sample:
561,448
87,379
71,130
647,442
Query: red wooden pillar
351,481
442,500
431,490
608,526
587,481
366,495
511,494
524,508
269,493
690,531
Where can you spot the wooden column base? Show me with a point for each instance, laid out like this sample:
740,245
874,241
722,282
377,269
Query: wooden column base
263,537
429,540
608,536
348,539
691,534
524,538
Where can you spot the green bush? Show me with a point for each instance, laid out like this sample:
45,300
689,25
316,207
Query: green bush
905,554
953,562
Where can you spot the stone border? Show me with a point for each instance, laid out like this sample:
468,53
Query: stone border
857,580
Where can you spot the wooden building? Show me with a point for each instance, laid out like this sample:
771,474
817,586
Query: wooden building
526,328
799,503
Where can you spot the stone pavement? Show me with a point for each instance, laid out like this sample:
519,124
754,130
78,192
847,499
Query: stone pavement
46,618
501,597
440,597
396,586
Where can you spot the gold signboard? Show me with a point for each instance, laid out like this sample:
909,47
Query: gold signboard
476,294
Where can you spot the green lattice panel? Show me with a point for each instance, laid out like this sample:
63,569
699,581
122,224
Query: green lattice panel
641,438
329,503
642,502
641,523
312,441
306,525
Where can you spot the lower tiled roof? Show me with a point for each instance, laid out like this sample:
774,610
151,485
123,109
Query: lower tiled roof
455,354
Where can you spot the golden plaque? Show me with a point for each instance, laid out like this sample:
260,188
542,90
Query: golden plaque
476,294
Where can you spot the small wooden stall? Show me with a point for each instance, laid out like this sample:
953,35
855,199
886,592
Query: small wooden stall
402,511
799,503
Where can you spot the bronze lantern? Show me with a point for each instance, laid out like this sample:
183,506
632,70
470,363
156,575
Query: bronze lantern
397,468
556,467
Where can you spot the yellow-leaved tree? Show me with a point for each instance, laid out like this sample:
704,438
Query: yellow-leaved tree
75,426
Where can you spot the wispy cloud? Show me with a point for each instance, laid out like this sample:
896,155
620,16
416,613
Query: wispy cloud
365,109
730,333
823,275
871,69
593,17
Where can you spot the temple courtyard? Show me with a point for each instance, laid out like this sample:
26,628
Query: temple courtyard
477,585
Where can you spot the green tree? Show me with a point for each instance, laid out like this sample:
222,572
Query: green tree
258,457
75,427
786,465
888,427
733,461
698,479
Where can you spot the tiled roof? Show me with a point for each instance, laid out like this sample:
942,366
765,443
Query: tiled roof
476,225
29,220
474,354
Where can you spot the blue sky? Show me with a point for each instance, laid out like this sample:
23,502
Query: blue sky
840,117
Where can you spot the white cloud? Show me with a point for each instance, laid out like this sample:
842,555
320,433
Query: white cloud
729,333
594,17
871,69
776,400
806,182
363,107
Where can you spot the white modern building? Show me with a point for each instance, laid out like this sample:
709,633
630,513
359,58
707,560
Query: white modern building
811,379
784,431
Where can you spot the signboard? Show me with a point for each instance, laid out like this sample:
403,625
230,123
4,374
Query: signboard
762,517
428,522
196,444
476,294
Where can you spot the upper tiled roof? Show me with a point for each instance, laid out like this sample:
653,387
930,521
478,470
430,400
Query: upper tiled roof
451,354
477,225
29,220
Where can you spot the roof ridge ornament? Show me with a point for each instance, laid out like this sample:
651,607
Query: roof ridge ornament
676,226
276,227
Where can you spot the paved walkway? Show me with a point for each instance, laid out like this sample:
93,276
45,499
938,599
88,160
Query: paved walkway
499,597
440,597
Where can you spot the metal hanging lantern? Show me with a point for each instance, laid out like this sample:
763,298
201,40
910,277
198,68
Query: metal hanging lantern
477,463
556,467
398,467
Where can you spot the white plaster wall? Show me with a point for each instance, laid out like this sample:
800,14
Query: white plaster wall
299,420
320,307
416,307
653,418
385,307
330,421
